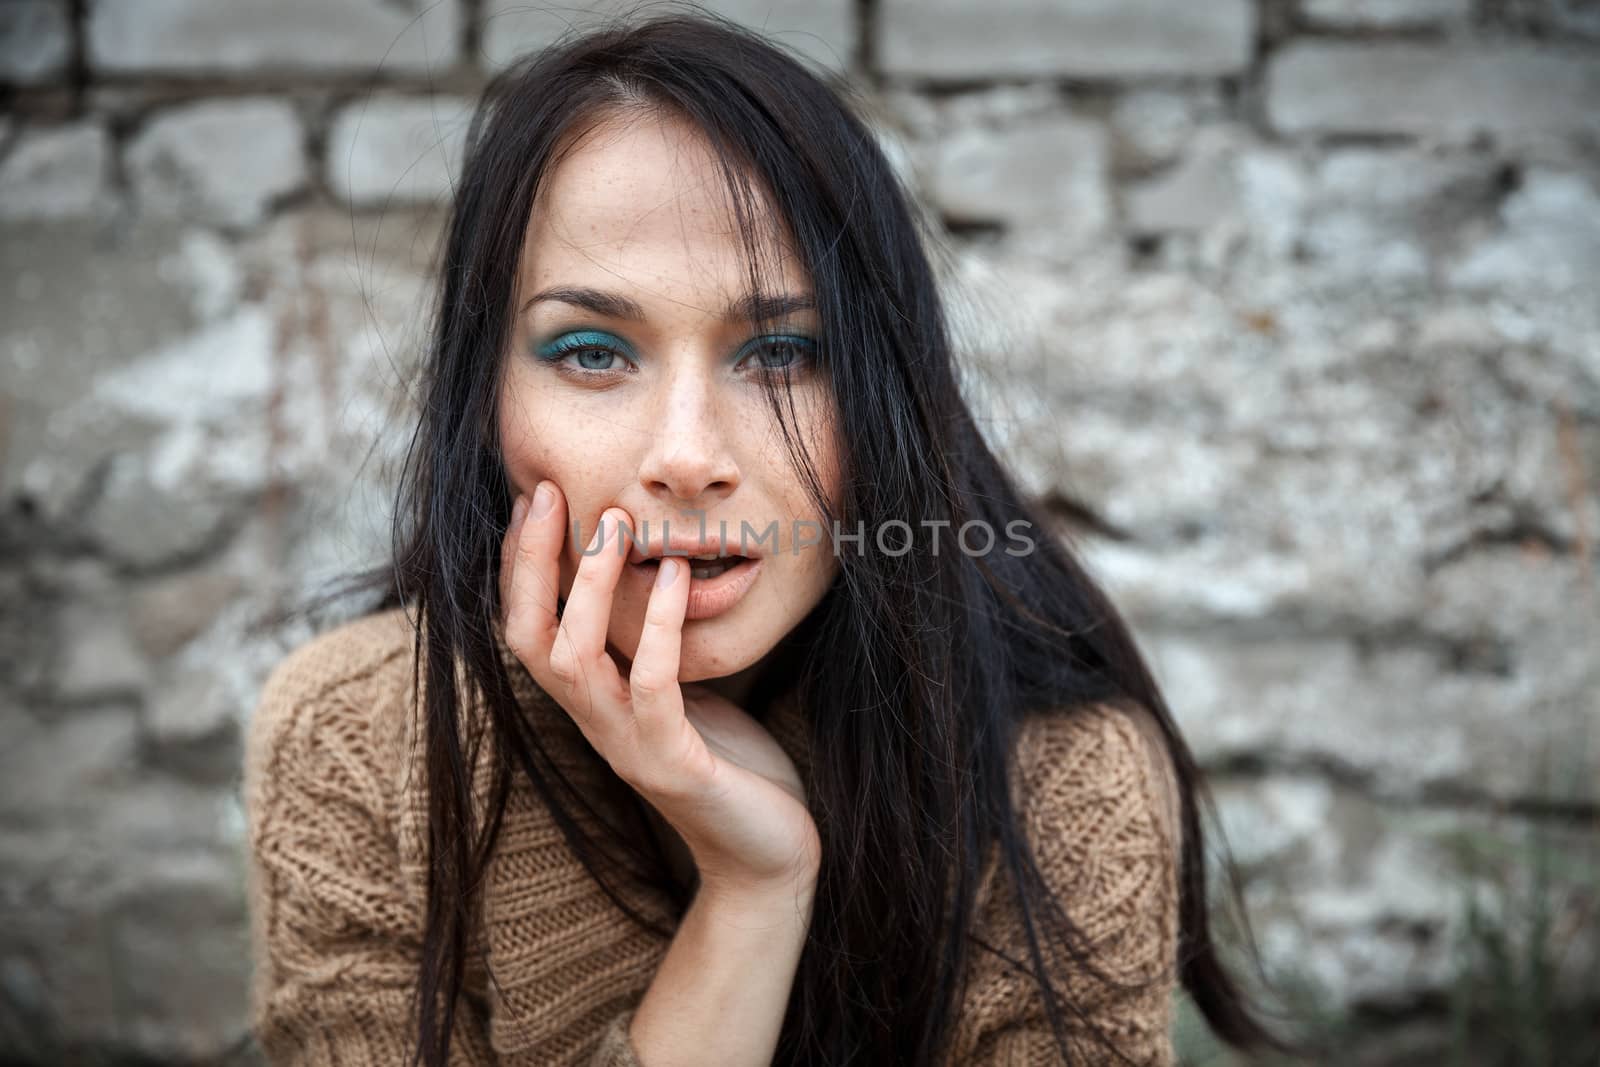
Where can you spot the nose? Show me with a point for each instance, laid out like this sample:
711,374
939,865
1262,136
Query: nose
688,462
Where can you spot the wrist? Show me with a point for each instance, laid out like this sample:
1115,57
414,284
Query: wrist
764,904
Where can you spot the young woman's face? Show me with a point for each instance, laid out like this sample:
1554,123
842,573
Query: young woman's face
671,424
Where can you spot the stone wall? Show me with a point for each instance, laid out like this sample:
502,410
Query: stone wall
1291,310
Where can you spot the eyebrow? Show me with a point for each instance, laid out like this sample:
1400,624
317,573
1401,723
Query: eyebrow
758,307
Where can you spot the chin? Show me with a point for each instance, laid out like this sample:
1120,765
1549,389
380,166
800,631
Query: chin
711,649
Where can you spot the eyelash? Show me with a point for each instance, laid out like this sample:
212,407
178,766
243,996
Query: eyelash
556,353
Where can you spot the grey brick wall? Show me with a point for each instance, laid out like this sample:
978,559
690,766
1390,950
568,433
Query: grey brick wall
1290,310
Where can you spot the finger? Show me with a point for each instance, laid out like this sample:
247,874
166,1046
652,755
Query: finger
508,552
578,656
653,682
535,581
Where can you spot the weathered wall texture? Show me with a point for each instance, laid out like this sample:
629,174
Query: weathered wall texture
1293,309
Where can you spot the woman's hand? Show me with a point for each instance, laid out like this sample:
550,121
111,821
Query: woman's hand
715,774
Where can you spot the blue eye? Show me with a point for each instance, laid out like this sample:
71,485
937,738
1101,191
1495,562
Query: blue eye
594,352
790,350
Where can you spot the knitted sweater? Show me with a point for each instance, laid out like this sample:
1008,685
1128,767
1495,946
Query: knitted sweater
336,828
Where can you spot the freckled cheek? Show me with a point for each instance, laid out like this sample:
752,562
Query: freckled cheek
523,430
820,431
823,446
827,455
531,435
829,462
527,465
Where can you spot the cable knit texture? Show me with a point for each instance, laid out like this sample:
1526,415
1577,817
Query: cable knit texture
337,823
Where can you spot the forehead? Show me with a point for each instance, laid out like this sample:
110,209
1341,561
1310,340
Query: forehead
640,203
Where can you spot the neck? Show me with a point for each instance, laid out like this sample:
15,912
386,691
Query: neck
770,679
760,686
735,688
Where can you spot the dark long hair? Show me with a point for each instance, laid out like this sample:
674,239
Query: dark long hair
947,651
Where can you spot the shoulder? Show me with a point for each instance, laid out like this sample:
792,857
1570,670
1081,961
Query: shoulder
361,655
1100,808
1108,757
1087,790
333,888
365,658
334,704
1102,817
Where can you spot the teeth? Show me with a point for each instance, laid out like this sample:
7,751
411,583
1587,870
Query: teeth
730,560
703,566
710,570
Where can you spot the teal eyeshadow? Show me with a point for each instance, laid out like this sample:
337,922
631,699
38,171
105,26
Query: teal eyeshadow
580,339
796,339
567,342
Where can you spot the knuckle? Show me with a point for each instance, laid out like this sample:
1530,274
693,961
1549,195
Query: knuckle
588,574
564,663
549,590
519,636
648,682
517,641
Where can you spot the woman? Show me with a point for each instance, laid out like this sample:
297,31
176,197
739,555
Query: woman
861,795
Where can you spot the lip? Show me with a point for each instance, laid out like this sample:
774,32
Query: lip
708,597
680,544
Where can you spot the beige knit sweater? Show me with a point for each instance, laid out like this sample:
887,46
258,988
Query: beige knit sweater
336,822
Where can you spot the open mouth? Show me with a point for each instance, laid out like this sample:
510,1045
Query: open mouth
715,585
700,568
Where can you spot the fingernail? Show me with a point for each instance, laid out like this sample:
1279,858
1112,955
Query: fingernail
665,573
544,498
517,508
